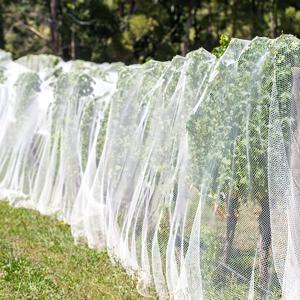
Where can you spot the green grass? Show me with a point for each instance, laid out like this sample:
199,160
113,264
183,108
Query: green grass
39,260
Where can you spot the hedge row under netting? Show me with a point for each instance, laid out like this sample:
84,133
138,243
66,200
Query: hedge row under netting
187,171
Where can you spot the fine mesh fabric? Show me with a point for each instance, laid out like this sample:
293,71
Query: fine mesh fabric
187,172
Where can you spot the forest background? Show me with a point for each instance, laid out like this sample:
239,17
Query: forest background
135,31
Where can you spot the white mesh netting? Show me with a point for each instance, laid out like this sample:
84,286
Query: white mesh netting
187,172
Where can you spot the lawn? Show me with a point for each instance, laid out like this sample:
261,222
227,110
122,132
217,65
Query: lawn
39,260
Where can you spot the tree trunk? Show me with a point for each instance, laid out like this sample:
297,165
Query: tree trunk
132,7
121,9
54,27
73,44
231,220
265,244
233,18
2,40
274,19
188,24
254,17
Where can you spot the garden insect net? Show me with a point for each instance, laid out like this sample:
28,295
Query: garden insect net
187,172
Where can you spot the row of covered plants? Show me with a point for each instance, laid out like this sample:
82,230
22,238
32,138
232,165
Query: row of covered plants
229,135
228,132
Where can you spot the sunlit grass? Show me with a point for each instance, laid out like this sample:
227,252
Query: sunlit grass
39,260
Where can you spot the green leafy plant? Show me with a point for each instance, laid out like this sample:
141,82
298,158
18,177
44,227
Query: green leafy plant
224,43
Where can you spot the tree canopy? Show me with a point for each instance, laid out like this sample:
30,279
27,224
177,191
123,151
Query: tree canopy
135,31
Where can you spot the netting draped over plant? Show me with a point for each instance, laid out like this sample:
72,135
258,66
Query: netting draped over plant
187,171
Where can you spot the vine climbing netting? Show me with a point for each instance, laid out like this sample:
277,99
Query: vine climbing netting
187,172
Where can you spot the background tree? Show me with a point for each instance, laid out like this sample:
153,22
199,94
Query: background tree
135,31
54,27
